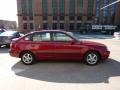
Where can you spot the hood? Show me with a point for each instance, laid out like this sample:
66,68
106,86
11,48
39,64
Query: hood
91,43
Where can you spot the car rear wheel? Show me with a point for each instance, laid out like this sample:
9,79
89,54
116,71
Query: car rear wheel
92,58
27,58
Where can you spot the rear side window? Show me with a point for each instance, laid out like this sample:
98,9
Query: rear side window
41,37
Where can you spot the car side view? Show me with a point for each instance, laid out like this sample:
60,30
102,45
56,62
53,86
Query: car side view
56,45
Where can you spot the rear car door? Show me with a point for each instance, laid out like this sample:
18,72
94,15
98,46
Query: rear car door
41,45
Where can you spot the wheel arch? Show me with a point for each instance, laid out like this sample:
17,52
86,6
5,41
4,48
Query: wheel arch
92,51
22,52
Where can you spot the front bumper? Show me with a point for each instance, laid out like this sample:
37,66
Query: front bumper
105,55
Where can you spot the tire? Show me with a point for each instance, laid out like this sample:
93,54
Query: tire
92,58
27,58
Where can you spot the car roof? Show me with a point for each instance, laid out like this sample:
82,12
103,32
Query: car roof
49,31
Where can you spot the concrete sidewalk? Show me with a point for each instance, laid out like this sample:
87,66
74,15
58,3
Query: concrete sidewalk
94,36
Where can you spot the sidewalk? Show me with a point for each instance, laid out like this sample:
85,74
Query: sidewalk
94,36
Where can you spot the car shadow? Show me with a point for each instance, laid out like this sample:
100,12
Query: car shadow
69,72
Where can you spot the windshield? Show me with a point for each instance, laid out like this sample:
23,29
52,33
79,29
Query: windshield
8,33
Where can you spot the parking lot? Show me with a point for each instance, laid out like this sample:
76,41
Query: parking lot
62,75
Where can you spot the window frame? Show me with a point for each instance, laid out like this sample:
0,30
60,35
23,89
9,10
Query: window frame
72,39
41,40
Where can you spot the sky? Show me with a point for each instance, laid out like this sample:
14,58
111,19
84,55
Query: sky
8,10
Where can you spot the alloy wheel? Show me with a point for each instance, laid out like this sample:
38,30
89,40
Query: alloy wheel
27,58
92,58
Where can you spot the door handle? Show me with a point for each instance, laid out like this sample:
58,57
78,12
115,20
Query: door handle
32,45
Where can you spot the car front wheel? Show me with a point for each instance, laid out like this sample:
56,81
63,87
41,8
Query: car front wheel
27,58
92,58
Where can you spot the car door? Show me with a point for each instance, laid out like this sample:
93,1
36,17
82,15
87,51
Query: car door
42,46
66,47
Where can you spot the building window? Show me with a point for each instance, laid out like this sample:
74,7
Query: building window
45,17
54,26
71,26
24,17
113,8
71,17
61,25
105,19
30,2
45,25
79,17
44,6
105,10
54,17
89,18
62,7
62,17
78,26
30,17
98,8
24,7
72,7
54,7
80,7
31,25
24,25
90,7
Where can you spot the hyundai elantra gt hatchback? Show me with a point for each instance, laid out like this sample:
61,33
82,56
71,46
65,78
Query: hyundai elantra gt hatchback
56,45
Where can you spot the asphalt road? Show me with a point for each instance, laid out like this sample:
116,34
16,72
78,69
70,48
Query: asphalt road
62,75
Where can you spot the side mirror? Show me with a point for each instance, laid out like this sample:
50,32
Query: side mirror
73,42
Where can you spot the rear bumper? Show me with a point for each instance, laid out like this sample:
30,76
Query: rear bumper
13,53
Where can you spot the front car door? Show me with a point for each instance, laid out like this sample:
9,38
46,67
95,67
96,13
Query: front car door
65,47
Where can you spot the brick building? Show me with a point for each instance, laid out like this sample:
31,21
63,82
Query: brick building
69,15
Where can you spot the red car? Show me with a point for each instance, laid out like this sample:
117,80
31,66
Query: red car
56,45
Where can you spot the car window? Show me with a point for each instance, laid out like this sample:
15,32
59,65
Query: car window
28,38
41,37
61,37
